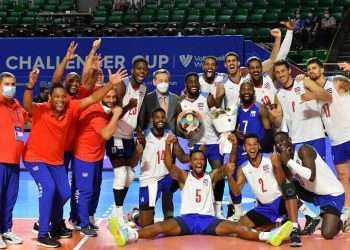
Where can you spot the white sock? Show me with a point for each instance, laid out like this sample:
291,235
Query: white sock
295,225
307,211
92,220
133,235
118,212
218,207
238,209
264,236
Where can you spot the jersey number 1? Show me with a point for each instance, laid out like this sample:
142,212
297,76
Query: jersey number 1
160,156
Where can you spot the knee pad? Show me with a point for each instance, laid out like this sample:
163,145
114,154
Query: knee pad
289,191
120,178
130,176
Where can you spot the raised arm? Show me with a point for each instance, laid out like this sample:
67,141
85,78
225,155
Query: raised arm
59,71
236,185
114,79
92,60
179,153
317,92
175,172
268,64
108,131
28,92
287,41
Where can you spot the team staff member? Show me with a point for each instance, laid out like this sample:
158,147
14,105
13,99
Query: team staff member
11,143
45,160
96,125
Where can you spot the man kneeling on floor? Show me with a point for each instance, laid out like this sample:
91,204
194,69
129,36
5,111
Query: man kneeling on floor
197,208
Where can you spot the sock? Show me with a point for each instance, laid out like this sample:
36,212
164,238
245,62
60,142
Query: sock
133,235
306,211
118,213
238,209
264,236
218,208
295,225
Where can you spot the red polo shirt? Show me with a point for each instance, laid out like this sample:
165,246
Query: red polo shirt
12,118
89,146
47,139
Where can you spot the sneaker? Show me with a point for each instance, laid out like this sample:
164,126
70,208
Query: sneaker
48,241
94,226
119,233
278,235
345,226
11,238
235,217
61,231
3,244
295,240
88,231
35,228
311,225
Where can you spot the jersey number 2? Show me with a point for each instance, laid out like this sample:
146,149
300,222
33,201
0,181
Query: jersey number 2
261,182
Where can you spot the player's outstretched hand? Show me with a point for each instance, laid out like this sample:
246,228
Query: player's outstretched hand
70,54
33,77
117,77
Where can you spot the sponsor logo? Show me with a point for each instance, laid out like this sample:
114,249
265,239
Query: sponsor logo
185,60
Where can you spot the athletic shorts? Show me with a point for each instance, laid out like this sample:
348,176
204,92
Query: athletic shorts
265,214
341,153
149,195
319,145
120,148
198,224
212,152
327,203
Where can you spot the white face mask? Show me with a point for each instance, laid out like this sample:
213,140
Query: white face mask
9,91
106,109
162,87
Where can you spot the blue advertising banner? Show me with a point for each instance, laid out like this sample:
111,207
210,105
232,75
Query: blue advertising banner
179,55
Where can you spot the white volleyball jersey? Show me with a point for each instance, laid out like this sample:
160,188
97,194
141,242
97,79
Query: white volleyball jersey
209,134
206,87
335,115
153,168
232,92
127,124
303,119
325,183
262,180
197,196
267,92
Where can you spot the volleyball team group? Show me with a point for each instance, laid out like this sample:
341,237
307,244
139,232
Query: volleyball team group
278,148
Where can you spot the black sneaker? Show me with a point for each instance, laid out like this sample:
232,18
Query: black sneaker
48,241
94,226
310,225
35,228
61,231
88,231
295,240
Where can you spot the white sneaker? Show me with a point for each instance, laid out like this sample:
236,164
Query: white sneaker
3,244
11,238
236,216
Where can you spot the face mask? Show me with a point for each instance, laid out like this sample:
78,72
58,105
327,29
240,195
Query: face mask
9,91
326,15
162,87
297,16
309,15
106,109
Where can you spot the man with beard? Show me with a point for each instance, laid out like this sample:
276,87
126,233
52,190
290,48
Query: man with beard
314,181
197,210
210,79
298,113
154,177
265,176
121,146
168,101
208,137
336,121
96,125
45,161
252,117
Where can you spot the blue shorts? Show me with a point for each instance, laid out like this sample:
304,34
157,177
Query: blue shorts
197,224
126,150
267,213
319,145
341,153
212,153
149,195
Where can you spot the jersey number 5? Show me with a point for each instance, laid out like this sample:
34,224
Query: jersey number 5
198,195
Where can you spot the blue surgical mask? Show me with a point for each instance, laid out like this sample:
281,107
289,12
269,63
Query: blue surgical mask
9,91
